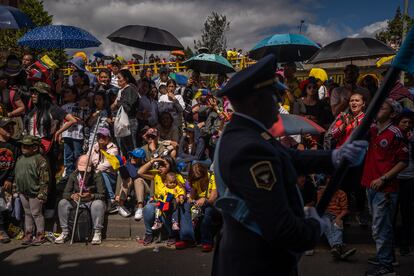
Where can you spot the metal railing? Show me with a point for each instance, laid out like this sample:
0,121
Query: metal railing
176,67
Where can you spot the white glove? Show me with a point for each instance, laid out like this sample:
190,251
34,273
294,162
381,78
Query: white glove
310,212
353,152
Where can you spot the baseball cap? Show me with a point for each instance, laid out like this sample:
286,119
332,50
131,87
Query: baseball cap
138,153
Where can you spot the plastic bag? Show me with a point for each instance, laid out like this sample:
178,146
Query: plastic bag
121,124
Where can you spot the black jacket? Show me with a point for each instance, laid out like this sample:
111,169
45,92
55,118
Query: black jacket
94,185
277,208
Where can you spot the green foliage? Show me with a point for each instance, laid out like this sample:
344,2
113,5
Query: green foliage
188,52
8,38
394,31
213,36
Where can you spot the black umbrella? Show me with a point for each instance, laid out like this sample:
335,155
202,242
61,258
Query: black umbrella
147,38
137,57
349,49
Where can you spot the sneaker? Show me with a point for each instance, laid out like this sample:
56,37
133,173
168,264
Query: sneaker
138,214
123,212
346,253
63,237
175,226
375,261
97,238
179,245
114,208
381,271
336,252
206,247
147,239
39,239
27,240
157,225
4,238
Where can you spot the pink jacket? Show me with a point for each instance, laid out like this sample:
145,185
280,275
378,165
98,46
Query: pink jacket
100,163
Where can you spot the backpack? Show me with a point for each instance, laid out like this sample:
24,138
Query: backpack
83,232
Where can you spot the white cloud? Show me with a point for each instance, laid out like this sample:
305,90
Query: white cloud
372,29
249,22
322,34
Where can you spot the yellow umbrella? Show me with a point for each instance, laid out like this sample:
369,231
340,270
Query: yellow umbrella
361,77
383,60
318,73
82,55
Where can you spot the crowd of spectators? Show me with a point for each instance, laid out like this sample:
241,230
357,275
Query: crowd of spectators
58,134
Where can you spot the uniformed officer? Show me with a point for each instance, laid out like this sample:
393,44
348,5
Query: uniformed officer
265,229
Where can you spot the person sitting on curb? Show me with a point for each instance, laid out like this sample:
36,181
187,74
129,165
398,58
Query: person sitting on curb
128,178
102,165
333,217
32,179
92,197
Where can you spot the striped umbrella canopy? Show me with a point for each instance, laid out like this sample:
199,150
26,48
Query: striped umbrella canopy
58,37
289,124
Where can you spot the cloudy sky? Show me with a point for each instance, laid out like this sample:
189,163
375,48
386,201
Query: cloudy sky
250,20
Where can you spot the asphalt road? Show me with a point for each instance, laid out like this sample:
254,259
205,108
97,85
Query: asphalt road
130,258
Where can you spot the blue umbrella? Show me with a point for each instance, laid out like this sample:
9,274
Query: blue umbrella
209,64
12,18
180,79
286,48
58,37
98,54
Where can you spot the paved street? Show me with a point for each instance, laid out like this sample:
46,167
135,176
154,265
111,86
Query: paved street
130,258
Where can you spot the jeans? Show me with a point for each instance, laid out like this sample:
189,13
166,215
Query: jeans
109,180
333,233
72,149
97,208
382,207
186,230
33,214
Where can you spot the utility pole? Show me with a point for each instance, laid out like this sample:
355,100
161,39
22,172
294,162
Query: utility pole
404,21
300,26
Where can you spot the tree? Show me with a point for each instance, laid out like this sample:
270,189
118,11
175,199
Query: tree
188,52
8,38
213,36
394,31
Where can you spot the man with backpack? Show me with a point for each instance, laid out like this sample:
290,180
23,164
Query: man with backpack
92,208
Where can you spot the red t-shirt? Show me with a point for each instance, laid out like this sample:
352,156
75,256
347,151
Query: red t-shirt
386,149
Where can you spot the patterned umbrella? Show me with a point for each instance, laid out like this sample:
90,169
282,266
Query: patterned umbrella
289,124
58,37
209,64
12,18
286,47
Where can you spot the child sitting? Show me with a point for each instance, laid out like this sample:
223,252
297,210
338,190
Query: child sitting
172,193
337,209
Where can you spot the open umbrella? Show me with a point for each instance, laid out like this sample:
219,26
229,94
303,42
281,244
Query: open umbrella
178,53
202,50
286,48
58,37
209,64
179,79
98,54
137,57
352,49
289,124
107,57
12,18
145,37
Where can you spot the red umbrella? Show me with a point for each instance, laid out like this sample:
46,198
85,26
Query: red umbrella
289,124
